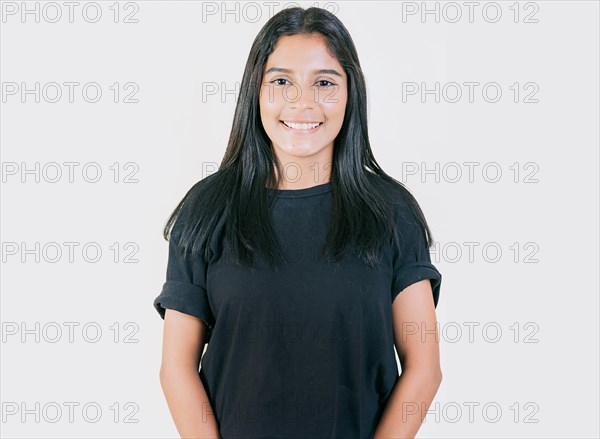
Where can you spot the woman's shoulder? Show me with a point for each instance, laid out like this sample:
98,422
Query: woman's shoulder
390,188
198,196
205,182
194,200
405,207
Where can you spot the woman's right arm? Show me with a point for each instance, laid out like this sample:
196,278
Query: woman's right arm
183,344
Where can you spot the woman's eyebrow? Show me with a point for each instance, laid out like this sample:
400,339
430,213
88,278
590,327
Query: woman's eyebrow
317,71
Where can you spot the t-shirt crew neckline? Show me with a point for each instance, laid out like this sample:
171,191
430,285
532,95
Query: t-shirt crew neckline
297,193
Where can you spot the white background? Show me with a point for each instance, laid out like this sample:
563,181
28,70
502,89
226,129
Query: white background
541,371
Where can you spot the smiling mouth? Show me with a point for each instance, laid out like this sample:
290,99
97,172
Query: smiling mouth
302,127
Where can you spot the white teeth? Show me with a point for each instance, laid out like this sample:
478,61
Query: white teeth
302,126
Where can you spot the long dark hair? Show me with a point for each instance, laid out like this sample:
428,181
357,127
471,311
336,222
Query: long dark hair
360,217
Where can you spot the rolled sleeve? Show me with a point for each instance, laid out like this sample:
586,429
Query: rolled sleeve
185,287
411,258
415,272
186,298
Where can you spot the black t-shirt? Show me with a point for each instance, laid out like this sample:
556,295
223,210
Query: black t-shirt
306,351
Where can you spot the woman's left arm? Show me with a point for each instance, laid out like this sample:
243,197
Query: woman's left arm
417,344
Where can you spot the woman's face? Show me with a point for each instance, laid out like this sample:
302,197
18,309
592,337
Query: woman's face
303,84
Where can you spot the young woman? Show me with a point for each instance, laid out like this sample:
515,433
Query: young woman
300,262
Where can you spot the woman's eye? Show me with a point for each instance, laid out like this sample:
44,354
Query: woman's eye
328,82
322,82
278,79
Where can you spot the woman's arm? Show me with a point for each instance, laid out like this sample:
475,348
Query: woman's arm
417,344
183,344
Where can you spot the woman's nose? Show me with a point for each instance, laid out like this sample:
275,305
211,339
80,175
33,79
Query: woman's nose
303,96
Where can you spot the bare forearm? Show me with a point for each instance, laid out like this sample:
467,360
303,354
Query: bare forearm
188,403
407,405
